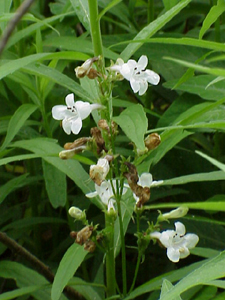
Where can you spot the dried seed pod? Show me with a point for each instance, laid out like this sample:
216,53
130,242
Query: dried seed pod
89,246
85,68
152,141
84,234
97,136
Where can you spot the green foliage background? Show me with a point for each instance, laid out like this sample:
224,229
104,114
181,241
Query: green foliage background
184,42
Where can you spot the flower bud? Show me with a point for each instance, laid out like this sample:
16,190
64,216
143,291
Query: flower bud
174,214
85,68
77,214
152,141
99,172
66,154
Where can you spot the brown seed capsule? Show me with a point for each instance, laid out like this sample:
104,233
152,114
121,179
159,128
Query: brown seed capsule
152,141
84,234
89,246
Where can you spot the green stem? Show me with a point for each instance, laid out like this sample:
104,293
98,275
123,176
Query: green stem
123,250
150,11
110,262
136,272
95,27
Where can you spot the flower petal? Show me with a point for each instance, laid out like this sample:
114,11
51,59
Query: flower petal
166,238
142,62
126,71
191,240
92,194
143,87
83,109
66,124
135,85
173,254
145,180
76,125
180,228
59,112
70,100
152,77
184,252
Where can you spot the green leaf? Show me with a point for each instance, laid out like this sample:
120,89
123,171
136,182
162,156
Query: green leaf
211,17
207,205
134,123
85,288
212,269
26,277
21,292
212,160
10,186
209,176
61,79
67,267
7,160
152,28
55,183
108,7
48,149
17,121
197,85
82,11
168,4
166,286
127,208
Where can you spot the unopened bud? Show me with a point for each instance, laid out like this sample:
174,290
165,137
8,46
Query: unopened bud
152,141
66,154
173,214
77,214
99,172
85,68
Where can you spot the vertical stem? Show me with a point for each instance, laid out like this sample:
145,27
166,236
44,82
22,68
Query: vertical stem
95,27
150,11
110,262
123,250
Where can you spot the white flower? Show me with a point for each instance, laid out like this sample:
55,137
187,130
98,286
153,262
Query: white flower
136,73
99,172
105,192
73,113
145,180
76,213
177,242
174,214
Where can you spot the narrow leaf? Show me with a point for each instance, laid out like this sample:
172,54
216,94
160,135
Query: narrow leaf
82,11
67,267
152,28
212,269
17,121
211,17
166,286
212,160
10,186
134,123
55,183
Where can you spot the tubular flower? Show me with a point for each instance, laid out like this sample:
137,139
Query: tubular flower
73,113
136,73
105,192
176,241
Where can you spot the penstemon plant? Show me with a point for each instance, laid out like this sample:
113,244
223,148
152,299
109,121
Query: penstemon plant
115,174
